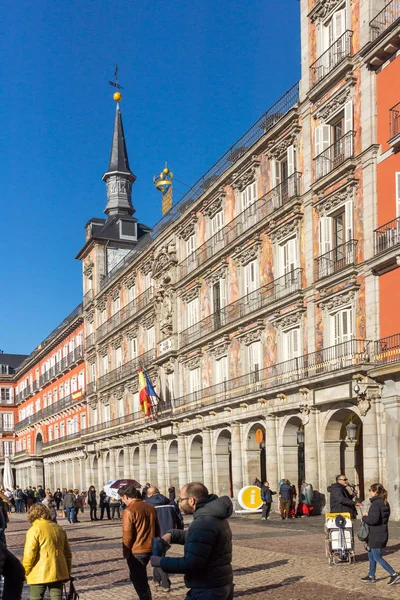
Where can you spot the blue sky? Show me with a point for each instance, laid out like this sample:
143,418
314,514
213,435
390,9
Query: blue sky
196,74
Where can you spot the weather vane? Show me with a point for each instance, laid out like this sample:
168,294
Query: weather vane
117,96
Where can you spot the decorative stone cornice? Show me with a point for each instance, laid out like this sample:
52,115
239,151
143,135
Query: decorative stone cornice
289,320
132,386
253,334
115,292
193,361
91,358
116,342
130,280
327,204
88,268
92,402
322,9
132,332
117,392
147,321
240,180
105,399
276,148
286,229
325,110
215,205
213,277
89,316
219,348
337,301
146,267
101,303
304,413
103,350
190,294
169,366
245,254
188,226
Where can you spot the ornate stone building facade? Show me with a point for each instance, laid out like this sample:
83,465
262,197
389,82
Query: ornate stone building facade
254,303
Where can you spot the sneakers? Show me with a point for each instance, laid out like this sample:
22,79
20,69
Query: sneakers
394,578
368,579
263,519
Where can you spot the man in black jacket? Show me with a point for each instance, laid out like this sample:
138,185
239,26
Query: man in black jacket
207,545
341,499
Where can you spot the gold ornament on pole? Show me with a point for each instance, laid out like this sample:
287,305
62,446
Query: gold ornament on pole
163,183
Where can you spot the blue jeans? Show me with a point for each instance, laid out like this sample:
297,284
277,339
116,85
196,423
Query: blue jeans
222,593
71,514
19,505
375,556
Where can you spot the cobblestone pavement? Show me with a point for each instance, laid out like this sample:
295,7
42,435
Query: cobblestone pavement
277,560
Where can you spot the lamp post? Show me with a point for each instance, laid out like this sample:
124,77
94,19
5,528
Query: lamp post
300,455
351,430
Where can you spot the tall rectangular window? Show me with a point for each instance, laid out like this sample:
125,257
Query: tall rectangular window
342,326
250,277
5,395
192,312
151,339
221,369
194,380
291,344
191,244
118,357
254,357
8,421
133,346
249,195
105,364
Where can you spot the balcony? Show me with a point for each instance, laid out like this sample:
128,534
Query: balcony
63,441
125,371
49,411
333,158
91,388
387,350
255,301
352,355
72,358
89,341
124,314
278,199
88,297
387,248
335,260
394,127
334,56
384,35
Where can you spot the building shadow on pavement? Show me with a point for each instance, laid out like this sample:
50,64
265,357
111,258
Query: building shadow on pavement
268,588
256,568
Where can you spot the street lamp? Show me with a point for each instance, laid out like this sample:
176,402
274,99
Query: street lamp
351,430
300,436
300,455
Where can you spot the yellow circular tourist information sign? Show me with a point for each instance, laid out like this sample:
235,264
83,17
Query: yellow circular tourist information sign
249,497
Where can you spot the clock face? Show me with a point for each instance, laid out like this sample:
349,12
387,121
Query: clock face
114,256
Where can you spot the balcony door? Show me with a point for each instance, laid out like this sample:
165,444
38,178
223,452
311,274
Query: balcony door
219,301
287,261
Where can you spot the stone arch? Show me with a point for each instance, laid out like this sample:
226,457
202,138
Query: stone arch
95,475
153,467
172,462
120,464
223,463
107,466
196,459
255,453
342,455
39,444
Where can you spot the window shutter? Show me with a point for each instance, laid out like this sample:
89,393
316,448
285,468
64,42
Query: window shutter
222,291
290,160
349,220
397,175
325,234
339,23
275,173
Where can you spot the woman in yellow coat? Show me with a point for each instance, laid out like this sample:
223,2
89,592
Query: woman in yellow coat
47,555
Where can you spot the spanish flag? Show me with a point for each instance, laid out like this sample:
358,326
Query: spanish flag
147,396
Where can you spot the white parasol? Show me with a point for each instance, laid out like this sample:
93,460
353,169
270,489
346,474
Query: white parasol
8,479
112,486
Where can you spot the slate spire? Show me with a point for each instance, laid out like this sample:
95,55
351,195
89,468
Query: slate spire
119,177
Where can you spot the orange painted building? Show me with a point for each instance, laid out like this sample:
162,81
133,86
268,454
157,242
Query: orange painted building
50,407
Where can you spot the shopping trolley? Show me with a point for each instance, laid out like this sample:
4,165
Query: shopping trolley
339,538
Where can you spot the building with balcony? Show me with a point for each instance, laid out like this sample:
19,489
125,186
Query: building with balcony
253,303
50,408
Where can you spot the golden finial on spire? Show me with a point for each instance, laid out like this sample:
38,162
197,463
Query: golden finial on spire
117,95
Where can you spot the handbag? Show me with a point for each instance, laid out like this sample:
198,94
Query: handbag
363,532
70,593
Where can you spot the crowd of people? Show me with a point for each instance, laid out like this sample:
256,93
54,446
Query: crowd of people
152,523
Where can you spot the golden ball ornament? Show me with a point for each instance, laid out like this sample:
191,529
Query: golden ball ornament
166,170
117,96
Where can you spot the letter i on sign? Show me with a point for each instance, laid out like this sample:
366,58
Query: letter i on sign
253,497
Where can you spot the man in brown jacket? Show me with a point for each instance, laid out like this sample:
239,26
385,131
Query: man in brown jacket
139,528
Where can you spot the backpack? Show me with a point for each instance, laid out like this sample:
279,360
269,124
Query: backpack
20,494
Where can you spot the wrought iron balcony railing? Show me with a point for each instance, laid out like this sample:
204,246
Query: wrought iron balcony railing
125,313
329,360
394,119
335,260
244,222
266,122
261,298
89,341
90,388
387,350
49,411
61,441
65,363
387,236
334,155
384,19
333,56
126,370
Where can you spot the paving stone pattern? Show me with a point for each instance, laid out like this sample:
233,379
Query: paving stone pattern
274,560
